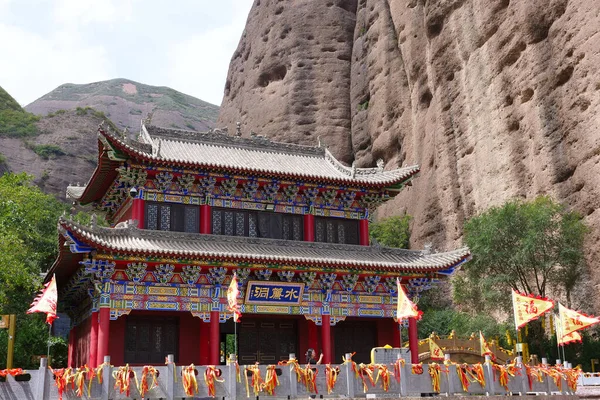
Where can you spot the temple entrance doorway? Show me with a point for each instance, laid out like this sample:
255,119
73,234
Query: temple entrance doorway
355,336
266,340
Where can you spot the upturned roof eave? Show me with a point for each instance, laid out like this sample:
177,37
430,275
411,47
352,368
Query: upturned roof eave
101,179
137,154
91,240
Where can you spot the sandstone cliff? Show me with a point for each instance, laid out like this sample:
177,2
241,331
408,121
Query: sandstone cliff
493,98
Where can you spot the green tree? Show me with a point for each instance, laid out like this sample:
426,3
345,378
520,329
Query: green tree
392,231
527,246
28,245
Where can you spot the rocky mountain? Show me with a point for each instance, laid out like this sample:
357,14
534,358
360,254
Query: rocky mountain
64,150
495,99
60,147
126,102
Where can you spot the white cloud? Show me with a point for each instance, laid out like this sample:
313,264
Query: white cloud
82,41
37,64
4,6
84,12
199,64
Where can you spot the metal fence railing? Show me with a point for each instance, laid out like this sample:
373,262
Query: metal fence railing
289,380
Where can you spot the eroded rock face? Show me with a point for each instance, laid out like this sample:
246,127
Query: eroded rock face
289,78
495,99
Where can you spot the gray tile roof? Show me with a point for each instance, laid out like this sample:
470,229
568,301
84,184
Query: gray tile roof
254,155
190,245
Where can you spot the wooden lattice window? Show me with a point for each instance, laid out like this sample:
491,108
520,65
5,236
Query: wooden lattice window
336,230
172,217
233,222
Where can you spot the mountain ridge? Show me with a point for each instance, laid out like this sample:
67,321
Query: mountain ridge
126,102
60,146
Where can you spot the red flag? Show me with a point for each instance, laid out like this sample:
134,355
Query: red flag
46,302
232,294
406,308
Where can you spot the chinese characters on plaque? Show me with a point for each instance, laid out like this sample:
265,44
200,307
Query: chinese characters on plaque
274,293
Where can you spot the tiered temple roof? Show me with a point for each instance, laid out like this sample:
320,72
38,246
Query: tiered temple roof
214,151
132,241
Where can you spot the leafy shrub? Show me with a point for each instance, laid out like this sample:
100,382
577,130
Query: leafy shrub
46,151
18,123
392,231
82,110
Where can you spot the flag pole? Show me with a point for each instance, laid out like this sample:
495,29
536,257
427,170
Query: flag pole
234,336
563,354
49,337
558,335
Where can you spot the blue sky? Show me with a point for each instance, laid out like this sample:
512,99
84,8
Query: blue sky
183,44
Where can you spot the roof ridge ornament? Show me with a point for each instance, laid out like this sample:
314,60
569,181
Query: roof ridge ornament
380,165
238,129
428,248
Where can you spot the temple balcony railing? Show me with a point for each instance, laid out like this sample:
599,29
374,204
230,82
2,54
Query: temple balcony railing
352,381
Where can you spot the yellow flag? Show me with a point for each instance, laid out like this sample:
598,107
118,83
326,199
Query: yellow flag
528,308
570,338
435,351
571,321
406,308
485,349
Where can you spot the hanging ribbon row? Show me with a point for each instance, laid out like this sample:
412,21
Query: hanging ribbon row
75,379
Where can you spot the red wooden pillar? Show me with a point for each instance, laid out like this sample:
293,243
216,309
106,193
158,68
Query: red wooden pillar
72,349
137,212
205,219
103,334
93,350
204,342
363,232
214,338
313,338
413,341
326,338
309,228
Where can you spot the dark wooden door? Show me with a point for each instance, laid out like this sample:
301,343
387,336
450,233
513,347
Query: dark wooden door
267,342
355,336
148,340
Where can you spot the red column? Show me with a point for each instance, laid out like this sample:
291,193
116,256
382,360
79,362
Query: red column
103,334
205,219
309,228
413,341
93,351
204,347
214,338
364,232
137,212
72,344
313,338
326,339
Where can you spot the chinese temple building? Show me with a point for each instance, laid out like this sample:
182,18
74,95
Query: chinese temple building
188,210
